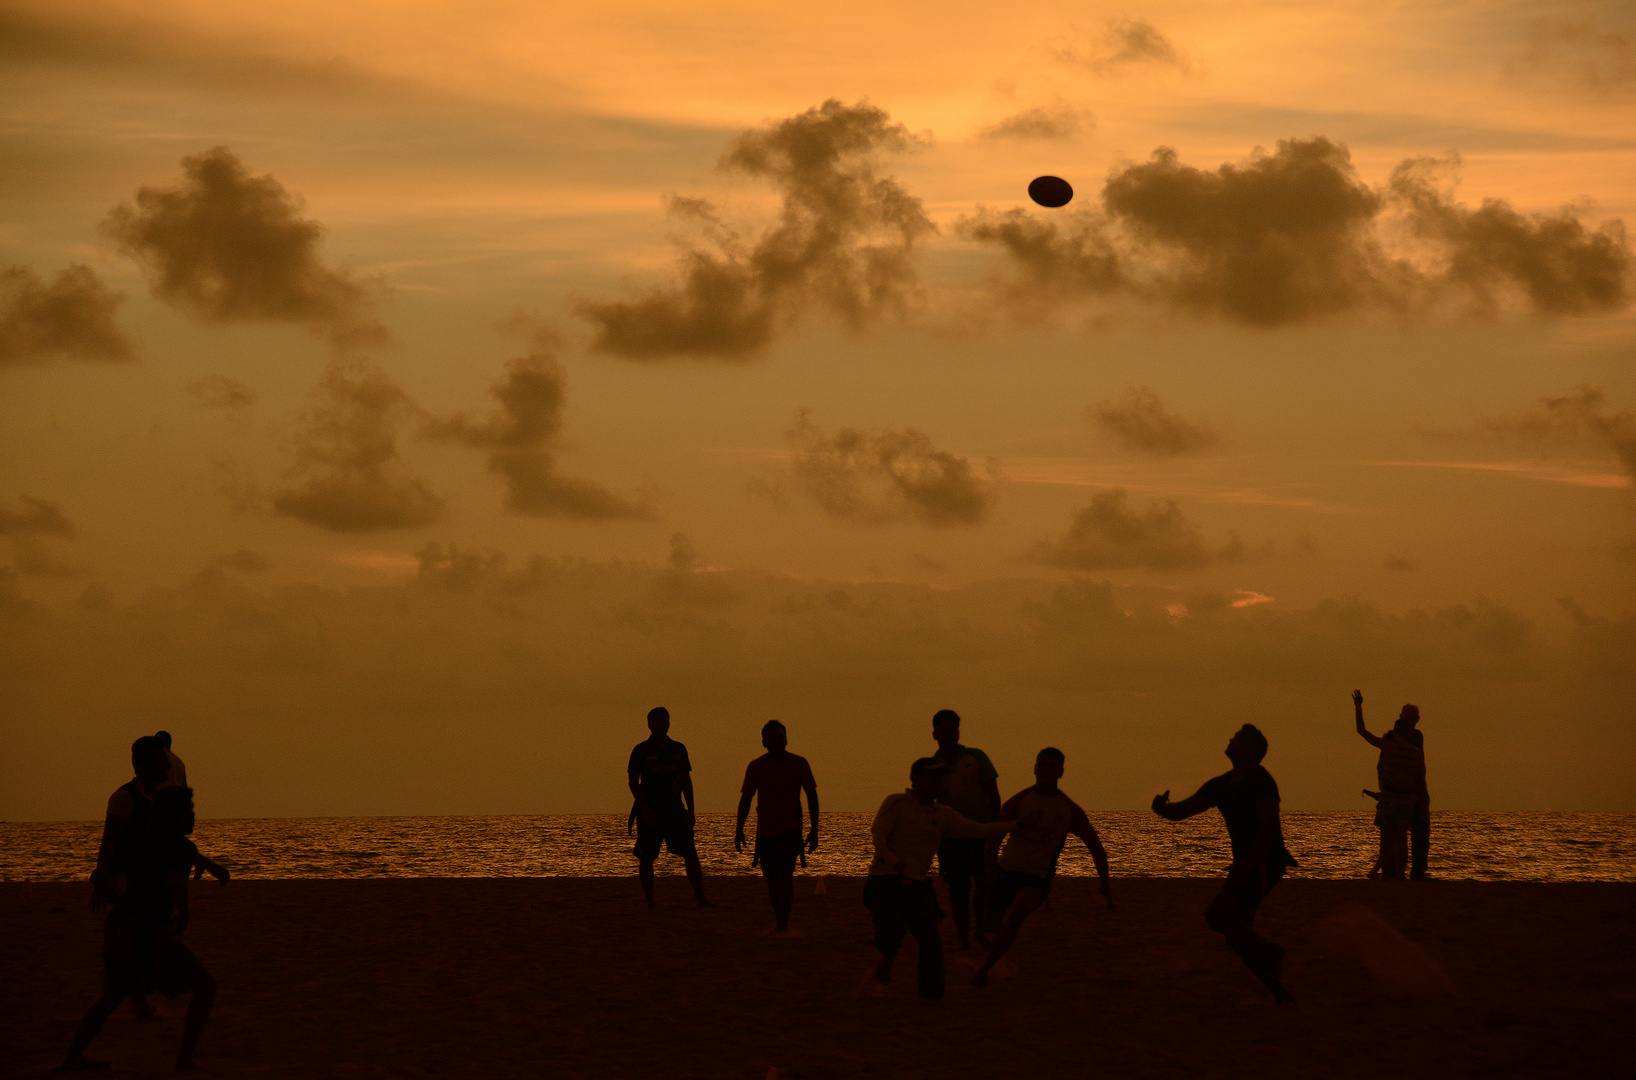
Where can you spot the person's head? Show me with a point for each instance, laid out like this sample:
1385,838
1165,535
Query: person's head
926,777
774,737
149,760
174,807
659,720
946,727
1048,765
164,738
1247,746
1408,718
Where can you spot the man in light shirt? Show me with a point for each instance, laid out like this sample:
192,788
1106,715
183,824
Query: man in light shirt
907,830
1027,866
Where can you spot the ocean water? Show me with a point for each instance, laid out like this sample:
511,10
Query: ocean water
1546,846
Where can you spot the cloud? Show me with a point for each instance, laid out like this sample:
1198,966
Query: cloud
886,476
521,441
26,527
1572,420
226,246
844,242
1399,564
1579,51
1127,43
220,392
72,317
1140,422
1294,237
348,476
1059,121
244,561
1109,534
1554,261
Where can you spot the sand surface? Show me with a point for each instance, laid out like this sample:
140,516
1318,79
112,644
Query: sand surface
575,978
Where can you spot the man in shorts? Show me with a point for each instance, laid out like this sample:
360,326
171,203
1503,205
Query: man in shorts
970,786
776,780
1247,796
906,832
140,949
661,780
1026,868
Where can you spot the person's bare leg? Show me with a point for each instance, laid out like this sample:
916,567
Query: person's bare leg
781,889
1400,854
1026,903
646,874
695,878
979,903
139,1003
90,1024
198,1011
1264,959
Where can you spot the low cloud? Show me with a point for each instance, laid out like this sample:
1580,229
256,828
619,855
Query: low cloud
72,317
1124,44
1579,53
1572,421
220,392
1057,122
1141,422
879,477
844,243
1110,534
348,476
26,529
522,439
1295,236
225,247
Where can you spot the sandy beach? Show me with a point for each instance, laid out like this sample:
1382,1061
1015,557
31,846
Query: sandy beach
575,978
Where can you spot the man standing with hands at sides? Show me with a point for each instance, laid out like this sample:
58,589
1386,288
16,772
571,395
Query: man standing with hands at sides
662,782
907,830
1027,867
971,787
1247,796
779,777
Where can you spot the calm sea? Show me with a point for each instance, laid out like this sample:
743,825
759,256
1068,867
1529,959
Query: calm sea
1473,846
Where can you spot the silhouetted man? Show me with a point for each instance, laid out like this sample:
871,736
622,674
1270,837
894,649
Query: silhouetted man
661,779
1026,867
778,777
140,950
1247,796
1401,773
970,786
907,830
129,816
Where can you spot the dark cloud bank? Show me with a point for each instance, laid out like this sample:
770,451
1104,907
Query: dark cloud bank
225,246
844,243
1110,534
71,316
1141,422
879,477
1295,236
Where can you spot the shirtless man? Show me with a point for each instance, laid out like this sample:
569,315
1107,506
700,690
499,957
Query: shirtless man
778,777
971,787
1026,868
1248,798
907,830
661,779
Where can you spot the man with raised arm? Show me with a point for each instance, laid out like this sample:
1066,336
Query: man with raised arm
1401,773
1026,867
661,780
907,830
778,777
970,786
1247,796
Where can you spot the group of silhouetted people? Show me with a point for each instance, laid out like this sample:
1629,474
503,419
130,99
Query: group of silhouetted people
998,860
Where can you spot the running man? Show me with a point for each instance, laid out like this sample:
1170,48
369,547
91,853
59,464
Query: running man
907,830
1027,865
140,950
1247,796
661,780
779,777
971,787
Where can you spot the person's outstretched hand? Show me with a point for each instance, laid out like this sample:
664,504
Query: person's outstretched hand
1357,698
1160,802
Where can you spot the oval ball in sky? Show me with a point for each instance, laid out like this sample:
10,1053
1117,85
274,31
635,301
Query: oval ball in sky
1050,191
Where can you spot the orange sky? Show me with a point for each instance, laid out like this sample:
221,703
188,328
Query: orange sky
513,369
